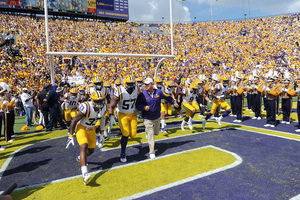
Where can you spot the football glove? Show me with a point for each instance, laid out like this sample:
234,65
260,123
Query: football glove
99,140
111,122
70,141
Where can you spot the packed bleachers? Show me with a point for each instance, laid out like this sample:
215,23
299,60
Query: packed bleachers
270,42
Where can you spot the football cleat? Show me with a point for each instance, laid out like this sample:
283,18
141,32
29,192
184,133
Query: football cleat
267,125
288,122
283,122
272,126
152,156
259,118
99,140
163,130
123,159
219,121
86,178
254,118
298,130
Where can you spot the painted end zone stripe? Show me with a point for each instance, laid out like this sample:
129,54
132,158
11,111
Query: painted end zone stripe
296,197
238,161
150,175
281,134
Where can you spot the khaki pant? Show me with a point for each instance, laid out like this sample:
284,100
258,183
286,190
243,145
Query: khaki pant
152,128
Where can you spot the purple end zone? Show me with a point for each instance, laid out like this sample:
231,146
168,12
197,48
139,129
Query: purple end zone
270,168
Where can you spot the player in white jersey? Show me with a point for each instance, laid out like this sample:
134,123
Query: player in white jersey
70,103
219,93
98,86
140,83
159,85
88,116
168,90
125,97
189,103
83,94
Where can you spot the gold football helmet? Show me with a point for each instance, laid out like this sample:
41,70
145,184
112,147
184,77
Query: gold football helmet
98,99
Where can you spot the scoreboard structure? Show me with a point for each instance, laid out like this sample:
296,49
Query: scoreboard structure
105,9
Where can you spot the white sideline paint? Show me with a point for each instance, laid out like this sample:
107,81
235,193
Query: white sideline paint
238,161
270,134
296,197
257,128
4,166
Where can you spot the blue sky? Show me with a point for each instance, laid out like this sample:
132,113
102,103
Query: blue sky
187,10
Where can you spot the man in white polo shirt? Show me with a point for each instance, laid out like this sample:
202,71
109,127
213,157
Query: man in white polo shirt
28,105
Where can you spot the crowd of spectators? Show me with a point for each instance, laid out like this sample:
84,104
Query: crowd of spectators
199,48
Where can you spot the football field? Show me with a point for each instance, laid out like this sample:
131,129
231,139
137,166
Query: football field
235,161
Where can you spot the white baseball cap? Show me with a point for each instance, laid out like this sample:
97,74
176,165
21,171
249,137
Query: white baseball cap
148,81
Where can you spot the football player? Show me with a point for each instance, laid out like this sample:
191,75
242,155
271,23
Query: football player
140,83
83,95
218,93
71,101
159,85
168,90
98,86
89,113
189,103
125,97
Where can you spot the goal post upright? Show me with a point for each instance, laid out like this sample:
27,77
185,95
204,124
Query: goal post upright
52,54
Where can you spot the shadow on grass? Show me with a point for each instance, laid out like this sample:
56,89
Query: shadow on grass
23,194
33,150
28,167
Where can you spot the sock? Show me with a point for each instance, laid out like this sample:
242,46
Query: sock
84,170
208,116
226,113
183,122
221,117
190,120
163,123
124,141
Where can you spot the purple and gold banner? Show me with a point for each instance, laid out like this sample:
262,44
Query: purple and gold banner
91,5
3,3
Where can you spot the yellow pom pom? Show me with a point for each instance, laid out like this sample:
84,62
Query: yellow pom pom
40,127
24,128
